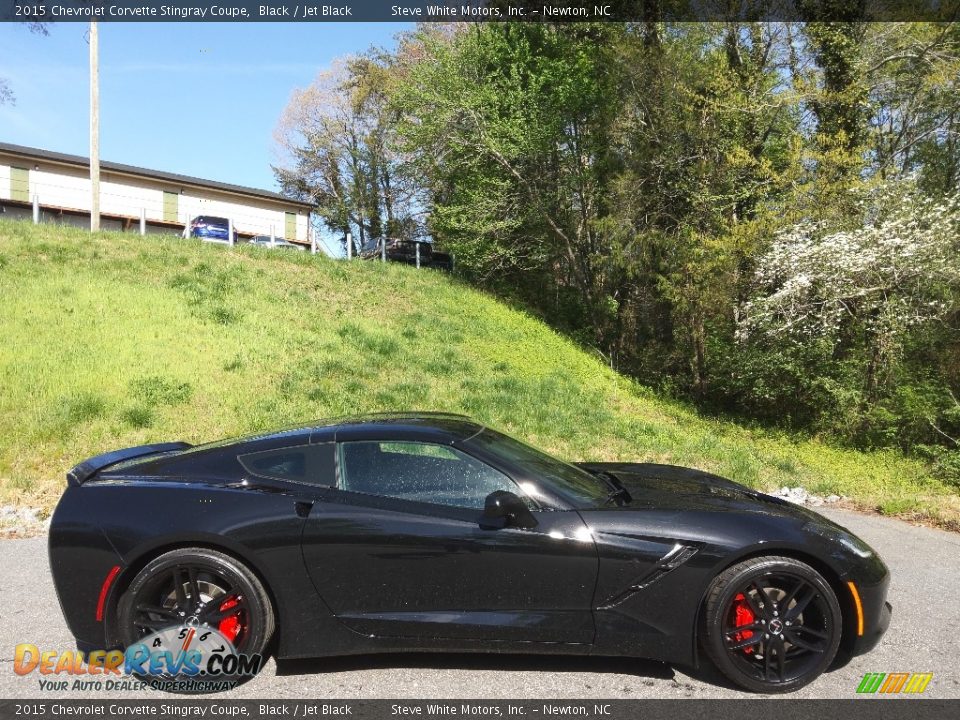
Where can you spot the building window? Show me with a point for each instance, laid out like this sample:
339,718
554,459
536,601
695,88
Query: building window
171,205
19,184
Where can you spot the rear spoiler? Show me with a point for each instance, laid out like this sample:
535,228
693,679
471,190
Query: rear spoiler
88,468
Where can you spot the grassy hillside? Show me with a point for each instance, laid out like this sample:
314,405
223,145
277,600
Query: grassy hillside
114,340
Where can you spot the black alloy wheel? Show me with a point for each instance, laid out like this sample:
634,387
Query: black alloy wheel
771,624
199,588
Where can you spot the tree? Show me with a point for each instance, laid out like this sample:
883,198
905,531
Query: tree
707,137
336,135
510,127
913,72
898,271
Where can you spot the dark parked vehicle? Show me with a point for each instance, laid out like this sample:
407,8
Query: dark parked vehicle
208,227
278,243
423,531
405,251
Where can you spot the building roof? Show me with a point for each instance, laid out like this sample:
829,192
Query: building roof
80,161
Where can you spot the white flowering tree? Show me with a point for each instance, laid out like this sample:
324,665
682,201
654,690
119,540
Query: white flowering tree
898,270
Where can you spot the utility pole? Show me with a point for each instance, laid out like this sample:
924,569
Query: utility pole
94,128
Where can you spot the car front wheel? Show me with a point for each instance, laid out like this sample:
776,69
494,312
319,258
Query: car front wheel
771,624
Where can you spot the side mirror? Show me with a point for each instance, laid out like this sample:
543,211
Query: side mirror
505,509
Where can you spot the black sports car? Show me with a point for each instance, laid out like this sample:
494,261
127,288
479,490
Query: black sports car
426,531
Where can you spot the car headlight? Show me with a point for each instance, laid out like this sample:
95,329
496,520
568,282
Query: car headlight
848,540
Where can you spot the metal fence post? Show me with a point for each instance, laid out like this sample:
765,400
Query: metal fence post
418,255
349,247
312,234
273,236
143,221
36,209
383,250
230,231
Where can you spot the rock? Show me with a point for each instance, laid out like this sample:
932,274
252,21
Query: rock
832,498
28,516
796,495
815,500
22,520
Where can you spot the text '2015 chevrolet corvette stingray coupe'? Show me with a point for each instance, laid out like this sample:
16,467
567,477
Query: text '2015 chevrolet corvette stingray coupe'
427,531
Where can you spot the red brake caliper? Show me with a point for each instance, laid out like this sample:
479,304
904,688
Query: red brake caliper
742,616
231,626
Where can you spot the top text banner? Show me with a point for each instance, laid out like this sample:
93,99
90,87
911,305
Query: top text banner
476,10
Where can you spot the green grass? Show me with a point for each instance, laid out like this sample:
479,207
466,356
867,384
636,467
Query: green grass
114,340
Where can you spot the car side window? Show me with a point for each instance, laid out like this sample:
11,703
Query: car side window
311,464
419,472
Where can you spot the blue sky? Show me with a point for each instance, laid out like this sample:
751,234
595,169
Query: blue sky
193,98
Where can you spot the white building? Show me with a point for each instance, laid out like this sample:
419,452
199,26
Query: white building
60,184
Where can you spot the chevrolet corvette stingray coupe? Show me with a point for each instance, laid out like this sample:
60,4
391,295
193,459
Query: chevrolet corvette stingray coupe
432,532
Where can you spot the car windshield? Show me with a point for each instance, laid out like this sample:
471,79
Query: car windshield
579,486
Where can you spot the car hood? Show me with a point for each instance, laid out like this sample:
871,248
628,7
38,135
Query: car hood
675,488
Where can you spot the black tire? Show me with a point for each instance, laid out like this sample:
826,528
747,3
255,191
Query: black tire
218,579
771,624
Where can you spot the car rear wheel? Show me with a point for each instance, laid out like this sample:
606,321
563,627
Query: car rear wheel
200,589
771,624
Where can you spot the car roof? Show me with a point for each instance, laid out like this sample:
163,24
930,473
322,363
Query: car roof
437,426
449,425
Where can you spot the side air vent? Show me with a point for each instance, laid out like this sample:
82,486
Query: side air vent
678,555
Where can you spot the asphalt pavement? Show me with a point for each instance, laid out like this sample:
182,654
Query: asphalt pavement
923,637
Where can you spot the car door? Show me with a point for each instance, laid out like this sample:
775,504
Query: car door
397,551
